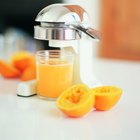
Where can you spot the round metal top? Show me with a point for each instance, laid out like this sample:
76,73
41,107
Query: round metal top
63,13
63,22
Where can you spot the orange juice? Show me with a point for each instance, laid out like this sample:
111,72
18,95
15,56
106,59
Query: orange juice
53,77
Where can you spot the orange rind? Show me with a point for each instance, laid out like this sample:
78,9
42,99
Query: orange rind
106,97
8,71
76,101
29,73
21,60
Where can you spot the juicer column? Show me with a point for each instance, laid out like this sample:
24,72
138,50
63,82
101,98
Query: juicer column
86,52
71,46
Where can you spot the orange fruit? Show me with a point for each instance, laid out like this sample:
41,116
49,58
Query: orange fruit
21,60
8,71
76,101
29,73
106,97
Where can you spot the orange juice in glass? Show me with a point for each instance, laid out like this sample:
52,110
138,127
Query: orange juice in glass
54,73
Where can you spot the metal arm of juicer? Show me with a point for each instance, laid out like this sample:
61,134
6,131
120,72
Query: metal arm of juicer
89,31
57,19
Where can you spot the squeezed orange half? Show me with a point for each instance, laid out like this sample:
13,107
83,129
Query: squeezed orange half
106,97
53,77
76,101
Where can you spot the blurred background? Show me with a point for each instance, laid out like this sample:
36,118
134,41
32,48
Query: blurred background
17,23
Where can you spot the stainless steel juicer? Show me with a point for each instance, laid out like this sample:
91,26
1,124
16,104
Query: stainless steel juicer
68,27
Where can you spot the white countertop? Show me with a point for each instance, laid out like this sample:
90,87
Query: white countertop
35,119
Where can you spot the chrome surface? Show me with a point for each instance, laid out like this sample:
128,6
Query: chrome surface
63,13
87,30
63,21
51,33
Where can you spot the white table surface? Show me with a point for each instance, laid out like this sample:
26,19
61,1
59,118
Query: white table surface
36,119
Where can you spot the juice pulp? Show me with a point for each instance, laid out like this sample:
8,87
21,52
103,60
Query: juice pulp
53,77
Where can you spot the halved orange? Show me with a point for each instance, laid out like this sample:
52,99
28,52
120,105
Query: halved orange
106,97
29,73
8,71
22,59
76,101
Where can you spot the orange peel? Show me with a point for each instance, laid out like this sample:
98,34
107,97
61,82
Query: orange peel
106,97
22,59
76,101
8,71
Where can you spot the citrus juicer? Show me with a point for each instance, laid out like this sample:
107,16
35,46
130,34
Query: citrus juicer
67,27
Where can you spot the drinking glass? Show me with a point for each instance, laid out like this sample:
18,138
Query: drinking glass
54,72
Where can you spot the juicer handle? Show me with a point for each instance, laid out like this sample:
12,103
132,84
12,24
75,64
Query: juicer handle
93,33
